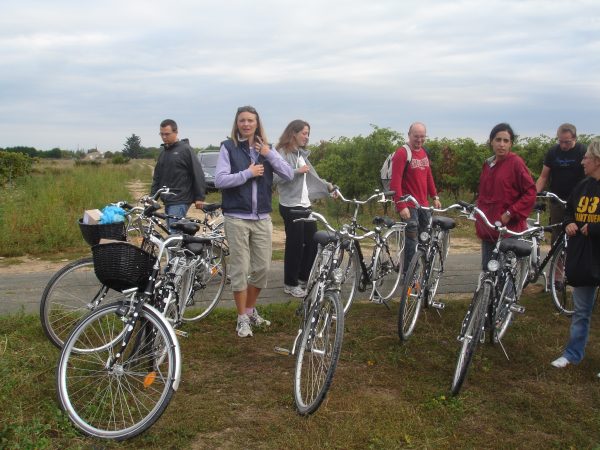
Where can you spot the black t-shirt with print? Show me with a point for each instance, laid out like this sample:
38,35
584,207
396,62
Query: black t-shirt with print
565,169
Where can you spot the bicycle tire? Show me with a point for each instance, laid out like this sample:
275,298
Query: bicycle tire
318,353
562,293
411,300
349,263
72,292
503,315
471,331
387,268
209,285
124,401
435,274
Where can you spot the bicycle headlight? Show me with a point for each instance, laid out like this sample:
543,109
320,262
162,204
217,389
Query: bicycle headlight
493,265
424,236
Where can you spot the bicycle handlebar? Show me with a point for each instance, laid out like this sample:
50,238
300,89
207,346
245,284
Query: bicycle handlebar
314,216
381,195
473,210
548,194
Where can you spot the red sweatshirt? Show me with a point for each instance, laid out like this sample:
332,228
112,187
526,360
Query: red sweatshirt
416,180
505,186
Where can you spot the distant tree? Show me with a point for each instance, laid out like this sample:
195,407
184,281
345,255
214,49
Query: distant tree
29,151
108,154
54,153
133,147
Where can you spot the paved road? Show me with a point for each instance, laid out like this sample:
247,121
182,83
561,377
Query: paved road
23,291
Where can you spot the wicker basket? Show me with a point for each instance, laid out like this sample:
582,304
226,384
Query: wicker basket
120,265
93,233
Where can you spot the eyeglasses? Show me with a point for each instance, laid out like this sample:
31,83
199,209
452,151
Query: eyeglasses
420,137
165,134
249,109
567,142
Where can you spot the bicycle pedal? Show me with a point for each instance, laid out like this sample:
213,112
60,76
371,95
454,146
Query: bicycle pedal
282,351
182,333
437,305
517,308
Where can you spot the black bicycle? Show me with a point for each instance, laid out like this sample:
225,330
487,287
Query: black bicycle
496,298
425,270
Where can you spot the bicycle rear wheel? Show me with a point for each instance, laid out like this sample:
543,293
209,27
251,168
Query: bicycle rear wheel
562,293
318,353
209,283
122,401
71,293
471,331
411,300
387,269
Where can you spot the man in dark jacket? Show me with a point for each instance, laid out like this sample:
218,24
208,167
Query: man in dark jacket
179,169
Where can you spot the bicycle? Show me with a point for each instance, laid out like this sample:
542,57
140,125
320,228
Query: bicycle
425,270
384,270
121,365
74,290
318,342
555,281
495,300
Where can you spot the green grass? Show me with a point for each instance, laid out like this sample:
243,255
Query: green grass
237,393
40,215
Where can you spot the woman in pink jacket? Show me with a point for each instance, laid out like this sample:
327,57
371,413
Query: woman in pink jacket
506,190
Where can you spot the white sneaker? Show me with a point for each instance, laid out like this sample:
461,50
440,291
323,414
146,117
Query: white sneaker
302,284
295,291
243,326
560,363
257,321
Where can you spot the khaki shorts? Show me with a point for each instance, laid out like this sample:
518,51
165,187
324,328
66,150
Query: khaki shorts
250,252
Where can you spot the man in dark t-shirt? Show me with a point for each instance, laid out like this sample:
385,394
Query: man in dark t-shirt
562,165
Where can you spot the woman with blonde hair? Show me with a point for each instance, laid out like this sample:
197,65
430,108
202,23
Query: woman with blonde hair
244,173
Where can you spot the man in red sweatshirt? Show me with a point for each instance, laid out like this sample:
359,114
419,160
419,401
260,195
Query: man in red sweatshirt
411,174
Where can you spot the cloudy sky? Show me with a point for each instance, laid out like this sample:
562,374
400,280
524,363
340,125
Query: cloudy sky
81,74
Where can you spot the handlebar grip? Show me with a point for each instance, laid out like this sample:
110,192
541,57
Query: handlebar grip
465,205
542,193
126,205
389,193
211,207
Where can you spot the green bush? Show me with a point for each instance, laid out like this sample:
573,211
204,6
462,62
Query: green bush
13,166
119,159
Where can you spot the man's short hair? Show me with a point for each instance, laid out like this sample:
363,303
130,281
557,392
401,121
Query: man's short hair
567,127
169,123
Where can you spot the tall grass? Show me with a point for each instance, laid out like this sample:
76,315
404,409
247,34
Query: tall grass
40,214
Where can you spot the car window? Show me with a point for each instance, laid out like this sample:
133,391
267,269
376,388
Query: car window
209,159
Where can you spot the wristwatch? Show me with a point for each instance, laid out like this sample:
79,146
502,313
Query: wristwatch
507,212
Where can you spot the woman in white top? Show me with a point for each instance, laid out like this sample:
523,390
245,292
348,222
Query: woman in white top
300,248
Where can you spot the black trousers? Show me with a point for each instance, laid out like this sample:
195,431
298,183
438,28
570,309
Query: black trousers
300,247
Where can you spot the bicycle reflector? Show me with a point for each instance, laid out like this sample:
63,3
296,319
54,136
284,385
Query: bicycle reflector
493,265
149,379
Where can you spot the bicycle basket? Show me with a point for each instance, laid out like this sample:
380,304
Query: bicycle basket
93,233
120,265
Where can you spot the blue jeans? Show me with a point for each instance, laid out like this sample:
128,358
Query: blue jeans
583,298
419,219
176,210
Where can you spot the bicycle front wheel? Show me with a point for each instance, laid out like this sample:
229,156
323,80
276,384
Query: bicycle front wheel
503,314
350,266
209,282
388,264
411,300
121,401
318,353
437,268
71,293
472,329
562,293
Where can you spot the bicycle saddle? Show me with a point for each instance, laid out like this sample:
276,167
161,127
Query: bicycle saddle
520,248
445,223
324,237
190,228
